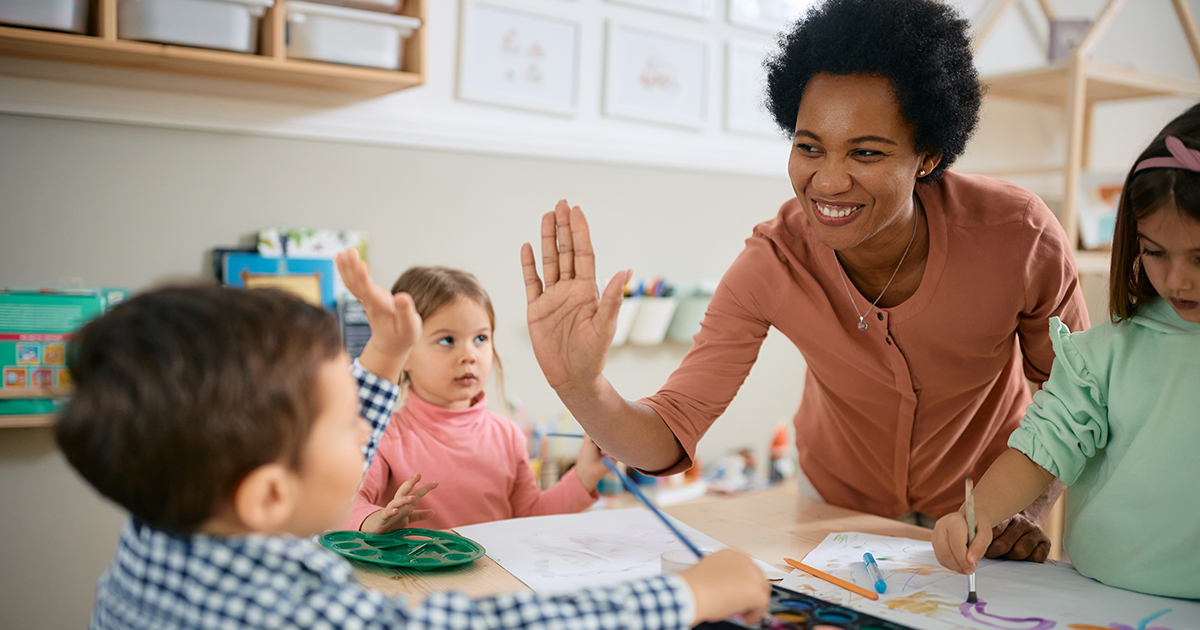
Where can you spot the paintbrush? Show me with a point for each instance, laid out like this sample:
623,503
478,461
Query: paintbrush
970,508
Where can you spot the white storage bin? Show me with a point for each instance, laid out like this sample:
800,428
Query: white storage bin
387,6
223,24
653,318
350,36
60,15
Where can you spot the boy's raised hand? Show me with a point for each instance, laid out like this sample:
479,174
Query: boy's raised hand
727,583
402,509
950,541
395,324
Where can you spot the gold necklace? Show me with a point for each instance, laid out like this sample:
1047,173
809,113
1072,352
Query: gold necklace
862,317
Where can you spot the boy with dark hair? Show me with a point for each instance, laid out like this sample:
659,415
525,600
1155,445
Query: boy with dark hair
226,423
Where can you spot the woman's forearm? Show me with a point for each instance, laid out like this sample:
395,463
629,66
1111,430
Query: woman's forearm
630,432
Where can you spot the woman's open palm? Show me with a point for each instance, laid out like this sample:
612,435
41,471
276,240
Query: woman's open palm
570,323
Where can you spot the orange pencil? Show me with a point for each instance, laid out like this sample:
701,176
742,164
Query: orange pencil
853,588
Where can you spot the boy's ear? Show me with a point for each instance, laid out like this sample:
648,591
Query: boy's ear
265,499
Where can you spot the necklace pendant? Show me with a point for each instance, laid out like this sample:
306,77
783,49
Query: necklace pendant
862,325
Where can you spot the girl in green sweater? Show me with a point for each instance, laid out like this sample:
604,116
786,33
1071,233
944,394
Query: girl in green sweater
1118,421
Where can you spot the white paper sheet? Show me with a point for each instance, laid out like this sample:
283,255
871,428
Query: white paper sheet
1012,595
567,552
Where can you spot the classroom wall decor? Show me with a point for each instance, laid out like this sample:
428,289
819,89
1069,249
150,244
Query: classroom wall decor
518,59
745,91
654,76
692,8
767,15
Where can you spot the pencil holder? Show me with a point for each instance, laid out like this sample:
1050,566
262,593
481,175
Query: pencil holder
625,318
688,316
653,318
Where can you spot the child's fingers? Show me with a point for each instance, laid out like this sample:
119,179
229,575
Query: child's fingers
420,515
533,283
421,491
408,485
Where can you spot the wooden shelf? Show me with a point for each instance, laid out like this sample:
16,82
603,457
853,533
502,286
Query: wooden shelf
1048,85
21,422
29,392
269,66
1076,84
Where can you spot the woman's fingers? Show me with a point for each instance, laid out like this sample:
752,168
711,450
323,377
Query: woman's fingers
533,284
566,248
550,248
581,240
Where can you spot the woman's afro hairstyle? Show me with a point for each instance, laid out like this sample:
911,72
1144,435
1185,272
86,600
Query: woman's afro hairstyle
921,46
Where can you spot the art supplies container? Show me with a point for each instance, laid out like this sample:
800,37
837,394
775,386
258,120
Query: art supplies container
625,318
339,35
653,319
693,303
411,548
222,24
59,15
386,6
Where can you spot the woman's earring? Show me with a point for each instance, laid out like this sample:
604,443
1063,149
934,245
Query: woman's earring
921,173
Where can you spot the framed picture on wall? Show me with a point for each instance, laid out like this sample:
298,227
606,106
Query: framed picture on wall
745,90
692,8
518,59
767,15
656,77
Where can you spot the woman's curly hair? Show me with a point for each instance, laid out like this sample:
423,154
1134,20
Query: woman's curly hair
921,46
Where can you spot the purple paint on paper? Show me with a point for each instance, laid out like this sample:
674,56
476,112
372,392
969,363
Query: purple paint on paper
975,611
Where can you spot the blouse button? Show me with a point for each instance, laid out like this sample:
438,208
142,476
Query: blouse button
889,341
880,316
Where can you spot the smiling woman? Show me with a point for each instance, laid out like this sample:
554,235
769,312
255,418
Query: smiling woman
920,298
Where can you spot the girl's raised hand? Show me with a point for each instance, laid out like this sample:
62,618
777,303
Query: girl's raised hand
401,510
395,324
570,324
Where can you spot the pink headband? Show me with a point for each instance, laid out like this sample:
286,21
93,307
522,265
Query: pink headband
1181,157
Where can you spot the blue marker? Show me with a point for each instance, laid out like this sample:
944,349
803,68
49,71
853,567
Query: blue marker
874,572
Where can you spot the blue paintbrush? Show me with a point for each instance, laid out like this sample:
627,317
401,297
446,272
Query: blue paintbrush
635,491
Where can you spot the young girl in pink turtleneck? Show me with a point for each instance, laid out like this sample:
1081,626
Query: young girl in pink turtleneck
478,460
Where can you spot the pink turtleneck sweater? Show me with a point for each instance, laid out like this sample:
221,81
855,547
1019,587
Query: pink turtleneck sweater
479,459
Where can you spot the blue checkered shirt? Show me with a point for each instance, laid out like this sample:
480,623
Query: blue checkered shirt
164,581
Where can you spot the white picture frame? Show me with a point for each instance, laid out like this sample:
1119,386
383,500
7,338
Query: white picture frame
701,9
518,59
655,77
771,16
745,90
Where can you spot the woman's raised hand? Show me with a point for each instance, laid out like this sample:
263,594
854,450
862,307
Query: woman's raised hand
570,323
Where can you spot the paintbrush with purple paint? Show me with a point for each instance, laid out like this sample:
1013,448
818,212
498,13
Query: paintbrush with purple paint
970,509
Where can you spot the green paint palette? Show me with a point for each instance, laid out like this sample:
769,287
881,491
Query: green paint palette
411,548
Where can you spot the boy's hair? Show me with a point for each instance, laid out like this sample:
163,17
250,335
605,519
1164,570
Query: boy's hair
1145,192
432,288
182,392
921,46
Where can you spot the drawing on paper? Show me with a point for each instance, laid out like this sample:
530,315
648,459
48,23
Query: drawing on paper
518,59
655,76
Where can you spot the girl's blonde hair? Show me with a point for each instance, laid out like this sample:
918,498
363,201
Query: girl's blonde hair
432,288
